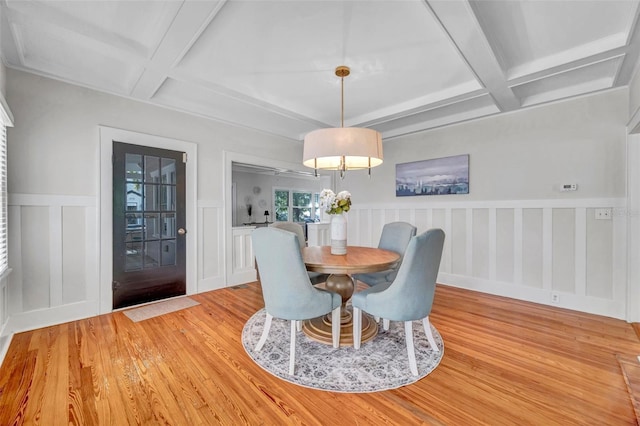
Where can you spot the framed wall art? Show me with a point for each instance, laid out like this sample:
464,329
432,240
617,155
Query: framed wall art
438,176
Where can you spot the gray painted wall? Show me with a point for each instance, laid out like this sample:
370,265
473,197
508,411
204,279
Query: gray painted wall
521,155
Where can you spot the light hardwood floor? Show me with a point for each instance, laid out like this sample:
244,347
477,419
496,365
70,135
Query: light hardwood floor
505,363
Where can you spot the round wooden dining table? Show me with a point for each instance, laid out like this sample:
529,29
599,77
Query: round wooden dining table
358,260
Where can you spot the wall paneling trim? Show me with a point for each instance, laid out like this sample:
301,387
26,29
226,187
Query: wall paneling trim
553,252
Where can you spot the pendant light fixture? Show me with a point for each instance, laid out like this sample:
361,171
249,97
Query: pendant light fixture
343,148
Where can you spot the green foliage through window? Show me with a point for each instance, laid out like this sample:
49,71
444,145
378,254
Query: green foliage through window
281,206
296,206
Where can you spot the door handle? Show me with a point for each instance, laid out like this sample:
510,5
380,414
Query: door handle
182,231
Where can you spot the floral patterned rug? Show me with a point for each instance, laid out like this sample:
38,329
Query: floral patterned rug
378,365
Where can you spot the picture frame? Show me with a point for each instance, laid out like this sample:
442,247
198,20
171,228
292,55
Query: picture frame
437,176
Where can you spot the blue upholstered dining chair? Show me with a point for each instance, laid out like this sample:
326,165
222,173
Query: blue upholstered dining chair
315,277
395,237
409,297
286,289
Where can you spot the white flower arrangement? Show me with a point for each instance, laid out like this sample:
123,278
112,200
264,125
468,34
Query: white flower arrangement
335,204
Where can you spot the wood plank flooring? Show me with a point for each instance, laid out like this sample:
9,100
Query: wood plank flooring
506,362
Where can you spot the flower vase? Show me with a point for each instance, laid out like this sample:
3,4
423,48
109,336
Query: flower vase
338,234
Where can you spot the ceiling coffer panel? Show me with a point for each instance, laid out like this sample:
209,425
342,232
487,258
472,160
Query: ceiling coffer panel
88,62
542,34
389,46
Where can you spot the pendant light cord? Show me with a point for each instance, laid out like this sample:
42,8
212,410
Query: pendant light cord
342,101
343,163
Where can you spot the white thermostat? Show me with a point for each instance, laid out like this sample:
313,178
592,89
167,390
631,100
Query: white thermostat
569,187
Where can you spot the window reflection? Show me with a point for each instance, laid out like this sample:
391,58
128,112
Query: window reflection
151,169
133,167
168,170
151,254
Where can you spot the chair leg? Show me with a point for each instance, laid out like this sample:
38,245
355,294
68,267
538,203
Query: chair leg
377,319
292,350
335,327
385,324
357,327
429,334
265,332
408,331
299,325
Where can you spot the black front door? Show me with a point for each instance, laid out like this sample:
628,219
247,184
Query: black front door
149,247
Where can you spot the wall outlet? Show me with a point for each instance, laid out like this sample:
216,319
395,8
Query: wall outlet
568,187
555,297
603,214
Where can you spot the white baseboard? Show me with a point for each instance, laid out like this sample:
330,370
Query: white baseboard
588,304
242,277
32,320
208,284
5,341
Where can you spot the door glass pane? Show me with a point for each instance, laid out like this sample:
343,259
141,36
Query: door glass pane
168,170
151,169
168,197
134,227
133,167
168,225
152,226
151,201
151,254
134,197
168,252
133,259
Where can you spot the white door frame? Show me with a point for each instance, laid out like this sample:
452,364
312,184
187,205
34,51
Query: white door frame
633,228
107,136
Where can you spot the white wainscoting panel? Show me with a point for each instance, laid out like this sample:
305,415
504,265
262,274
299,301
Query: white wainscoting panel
243,265
210,246
528,250
53,253
319,234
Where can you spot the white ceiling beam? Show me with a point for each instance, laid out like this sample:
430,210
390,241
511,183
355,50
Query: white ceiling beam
385,118
192,19
217,89
580,63
631,60
460,23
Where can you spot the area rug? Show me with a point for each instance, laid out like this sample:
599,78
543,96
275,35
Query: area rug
160,308
378,365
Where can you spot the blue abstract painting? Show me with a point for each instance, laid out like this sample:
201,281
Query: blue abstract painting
438,176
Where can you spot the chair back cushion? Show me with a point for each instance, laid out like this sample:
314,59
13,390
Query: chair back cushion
292,227
410,296
286,289
396,236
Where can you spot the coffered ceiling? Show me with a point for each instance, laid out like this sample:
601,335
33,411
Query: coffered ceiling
269,65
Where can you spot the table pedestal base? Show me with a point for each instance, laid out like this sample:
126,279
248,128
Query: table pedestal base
319,329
